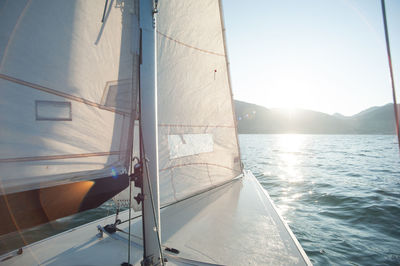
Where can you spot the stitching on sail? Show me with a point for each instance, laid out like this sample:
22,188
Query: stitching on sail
189,46
175,125
61,94
189,164
57,157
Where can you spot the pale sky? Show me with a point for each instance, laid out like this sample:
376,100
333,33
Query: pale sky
322,55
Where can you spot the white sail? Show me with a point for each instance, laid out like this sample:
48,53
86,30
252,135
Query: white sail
68,85
197,133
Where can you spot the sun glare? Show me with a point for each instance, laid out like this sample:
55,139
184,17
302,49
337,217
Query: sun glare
290,146
291,142
289,111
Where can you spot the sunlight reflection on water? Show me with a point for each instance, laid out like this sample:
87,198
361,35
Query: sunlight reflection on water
338,193
290,146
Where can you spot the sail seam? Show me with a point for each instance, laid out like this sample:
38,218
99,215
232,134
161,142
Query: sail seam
207,164
61,94
57,157
176,125
189,46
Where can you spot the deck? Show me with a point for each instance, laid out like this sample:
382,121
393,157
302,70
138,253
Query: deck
235,224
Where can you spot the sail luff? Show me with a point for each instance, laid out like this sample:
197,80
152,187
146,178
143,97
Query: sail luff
221,12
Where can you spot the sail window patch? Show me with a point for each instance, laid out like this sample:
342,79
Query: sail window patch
189,144
53,111
118,95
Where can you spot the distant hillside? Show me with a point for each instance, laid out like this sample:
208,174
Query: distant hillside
379,120
253,119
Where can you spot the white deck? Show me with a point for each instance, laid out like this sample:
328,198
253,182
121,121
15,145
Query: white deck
236,224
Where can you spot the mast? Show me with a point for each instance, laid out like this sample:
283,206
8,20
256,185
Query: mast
396,109
148,94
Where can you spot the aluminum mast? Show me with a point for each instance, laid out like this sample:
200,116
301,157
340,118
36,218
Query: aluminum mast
148,93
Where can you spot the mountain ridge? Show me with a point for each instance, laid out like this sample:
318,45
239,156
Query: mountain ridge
256,119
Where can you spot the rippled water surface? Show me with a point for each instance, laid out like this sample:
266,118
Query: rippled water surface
340,194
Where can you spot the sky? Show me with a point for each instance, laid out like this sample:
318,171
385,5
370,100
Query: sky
322,55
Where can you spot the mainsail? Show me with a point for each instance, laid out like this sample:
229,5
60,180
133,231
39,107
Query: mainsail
68,83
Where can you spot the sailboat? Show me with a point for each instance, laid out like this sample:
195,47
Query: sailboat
129,100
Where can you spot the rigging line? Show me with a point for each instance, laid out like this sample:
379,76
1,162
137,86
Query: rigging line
153,209
189,46
57,157
130,208
104,12
61,94
13,32
132,159
396,109
141,145
130,215
133,235
174,257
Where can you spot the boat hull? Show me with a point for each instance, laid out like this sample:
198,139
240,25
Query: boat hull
235,224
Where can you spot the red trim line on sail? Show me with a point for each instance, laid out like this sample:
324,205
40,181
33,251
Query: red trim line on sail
190,46
61,94
188,164
175,125
57,157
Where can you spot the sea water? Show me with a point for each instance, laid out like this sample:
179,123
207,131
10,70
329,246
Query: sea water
340,194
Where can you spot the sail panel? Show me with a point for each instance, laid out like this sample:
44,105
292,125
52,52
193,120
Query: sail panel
189,144
198,146
67,91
